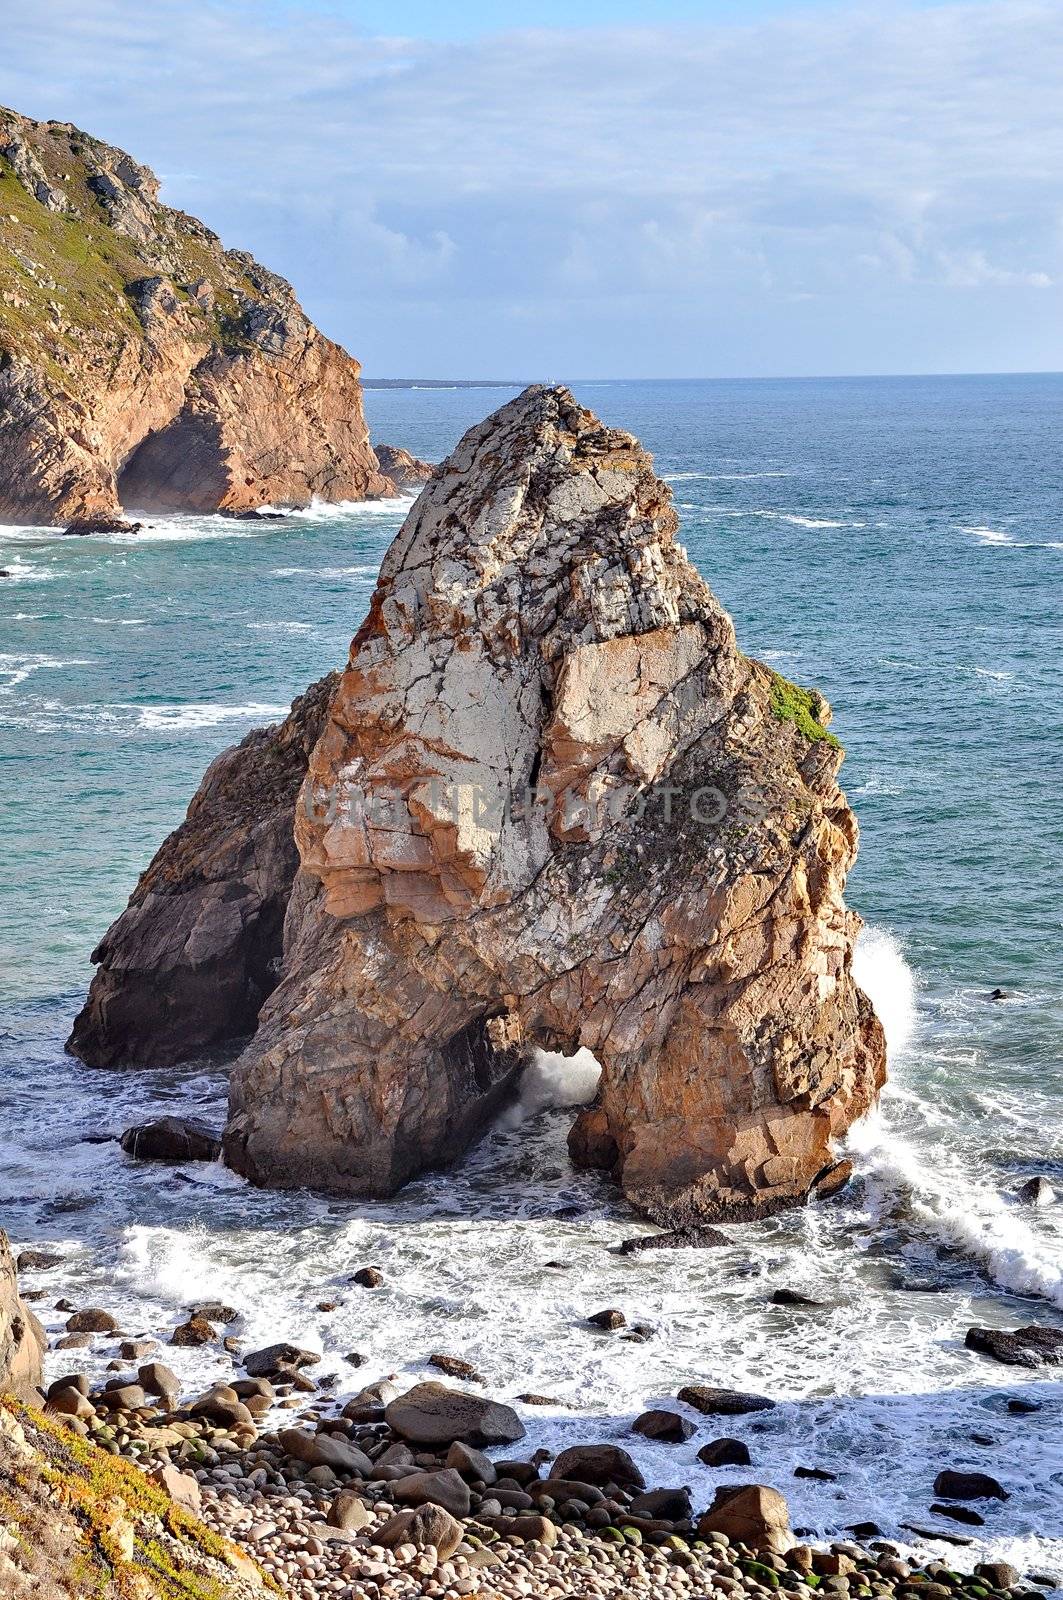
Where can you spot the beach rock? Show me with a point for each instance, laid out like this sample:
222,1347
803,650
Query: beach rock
122,1397
1021,1407
368,1277
667,1427
432,1414
127,387
73,1380
214,1311
92,1320
425,1525
224,1407
817,1474
278,1359
666,1505
472,1464
539,1529
196,1331
713,1402
325,1450
73,1341
973,1519
749,1514
349,1512
446,1488
405,471
136,1349
157,1378
608,1320
1026,1347
536,625
968,1486
998,1574
191,959
725,1453
599,1464
792,1297
172,1139
70,1402
182,1487
455,1367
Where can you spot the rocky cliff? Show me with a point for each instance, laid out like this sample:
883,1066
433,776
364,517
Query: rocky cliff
141,363
552,803
22,1339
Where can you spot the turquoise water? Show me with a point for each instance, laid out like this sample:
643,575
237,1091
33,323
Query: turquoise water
898,543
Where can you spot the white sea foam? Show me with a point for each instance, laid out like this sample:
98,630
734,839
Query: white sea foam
340,510
280,627
881,970
173,718
551,1079
989,535
15,669
341,574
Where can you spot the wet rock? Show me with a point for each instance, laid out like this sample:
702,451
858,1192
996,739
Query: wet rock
1030,1346
136,1349
726,1453
172,1139
73,1341
472,1464
36,1260
666,1505
196,1331
705,1238
432,1414
276,1359
668,1427
713,1402
122,1397
92,1320
82,527
968,1486
965,1514
818,1474
998,1574
598,1464
1035,1192
1020,1407
446,1488
455,1367
157,1378
368,1277
325,1450
608,1320
214,1311
749,1514
423,1526
405,471
999,994
791,1297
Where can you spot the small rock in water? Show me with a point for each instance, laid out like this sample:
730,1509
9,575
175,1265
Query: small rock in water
214,1311
172,1139
539,1400
81,527
368,1277
1034,1192
668,1427
819,1474
73,1341
1020,1407
704,1238
92,1320
136,1349
973,1519
968,1486
455,1367
1030,1346
608,1320
791,1297
196,1331
278,1358
726,1453
999,994
36,1260
597,1464
713,1402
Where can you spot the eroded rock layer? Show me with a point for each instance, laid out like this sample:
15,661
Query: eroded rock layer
552,803
22,1339
142,362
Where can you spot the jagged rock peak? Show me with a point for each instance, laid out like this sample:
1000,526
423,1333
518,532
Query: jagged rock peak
552,803
139,361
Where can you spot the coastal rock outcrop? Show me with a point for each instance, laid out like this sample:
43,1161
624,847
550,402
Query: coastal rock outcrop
405,471
553,804
22,1339
141,363
191,959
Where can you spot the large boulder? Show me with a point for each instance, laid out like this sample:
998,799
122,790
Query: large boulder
714,1402
749,1514
325,1450
551,803
1032,1346
427,1525
23,1340
432,1414
598,1464
446,1488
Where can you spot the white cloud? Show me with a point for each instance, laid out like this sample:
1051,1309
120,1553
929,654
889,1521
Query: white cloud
697,181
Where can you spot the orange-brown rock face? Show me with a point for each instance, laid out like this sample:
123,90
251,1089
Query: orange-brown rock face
141,363
553,803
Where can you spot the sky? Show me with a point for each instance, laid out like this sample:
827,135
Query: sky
610,188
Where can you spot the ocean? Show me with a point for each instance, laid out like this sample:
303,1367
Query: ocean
896,542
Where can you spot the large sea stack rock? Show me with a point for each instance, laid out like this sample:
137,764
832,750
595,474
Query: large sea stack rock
553,804
191,959
142,363
22,1339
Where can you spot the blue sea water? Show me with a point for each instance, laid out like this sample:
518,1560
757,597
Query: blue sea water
896,542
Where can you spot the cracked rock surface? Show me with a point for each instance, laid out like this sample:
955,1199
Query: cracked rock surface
552,803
